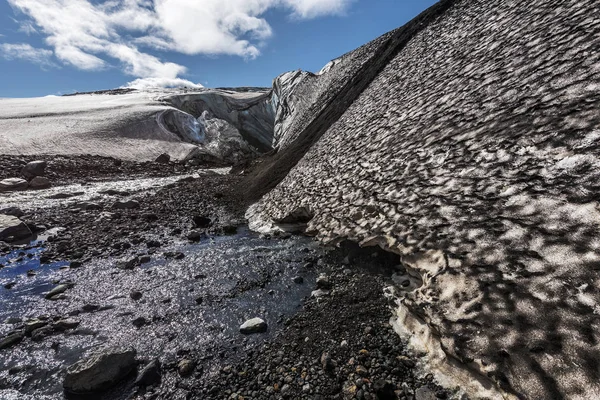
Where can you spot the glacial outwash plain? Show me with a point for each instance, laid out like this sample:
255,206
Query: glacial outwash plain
418,220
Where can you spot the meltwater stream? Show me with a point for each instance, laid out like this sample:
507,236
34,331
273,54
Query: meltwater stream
192,306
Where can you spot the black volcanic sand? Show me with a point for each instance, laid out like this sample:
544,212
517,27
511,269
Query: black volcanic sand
194,274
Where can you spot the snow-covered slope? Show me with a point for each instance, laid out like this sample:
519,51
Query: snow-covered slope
136,125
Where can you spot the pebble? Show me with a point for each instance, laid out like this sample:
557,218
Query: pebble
186,367
254,325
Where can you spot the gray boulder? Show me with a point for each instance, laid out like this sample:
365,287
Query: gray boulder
126,205
13,184
33,169
14,211
100,371
12,228
164,158
39,182
254,325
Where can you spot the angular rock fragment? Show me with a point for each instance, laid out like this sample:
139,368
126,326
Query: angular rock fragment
100,371
13,184
12,228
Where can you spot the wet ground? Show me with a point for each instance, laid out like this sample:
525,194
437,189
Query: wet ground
174,277
189,305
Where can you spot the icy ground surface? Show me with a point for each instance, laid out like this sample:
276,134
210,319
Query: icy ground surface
69,195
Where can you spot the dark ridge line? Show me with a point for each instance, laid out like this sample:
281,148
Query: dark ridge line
271,171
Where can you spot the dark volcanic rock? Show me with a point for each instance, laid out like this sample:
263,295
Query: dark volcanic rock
12,184
13,211
34,169
163,159
11,340
100,371
39,182
150,374
12,228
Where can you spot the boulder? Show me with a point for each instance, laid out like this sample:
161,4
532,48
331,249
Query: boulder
33,169
150,374
254,325
14,211
12,228
60,289
126,205
11,339
100,371
39,182
164,158
13,184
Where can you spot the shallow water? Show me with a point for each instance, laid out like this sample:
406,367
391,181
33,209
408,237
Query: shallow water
238,277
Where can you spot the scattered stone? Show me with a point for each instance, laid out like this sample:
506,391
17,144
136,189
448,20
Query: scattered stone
128,264
64,195
186,367
14,211
194,236
327,362
384,390
41,333
139,322
201,221
199,300
424,393
66,324
12,228
229,229
57,290
100,371
164,158
10,285
254,325
11,339
319,293
39,182
32,325
135,295
145,259
88,206
34,169
153,243
126,205
75,264
298,280
362,371
13,184
149,375
323,282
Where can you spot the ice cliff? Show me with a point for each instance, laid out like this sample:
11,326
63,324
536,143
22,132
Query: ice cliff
467,144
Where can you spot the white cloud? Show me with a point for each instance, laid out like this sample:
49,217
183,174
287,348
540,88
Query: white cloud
91,34
145,83
24,51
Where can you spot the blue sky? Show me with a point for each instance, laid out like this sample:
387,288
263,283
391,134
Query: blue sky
62,46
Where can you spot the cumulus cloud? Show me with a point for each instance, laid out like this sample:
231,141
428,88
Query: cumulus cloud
145,83
24,51
92,34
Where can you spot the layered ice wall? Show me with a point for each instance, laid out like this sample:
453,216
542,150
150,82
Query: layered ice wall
134,125
473,154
